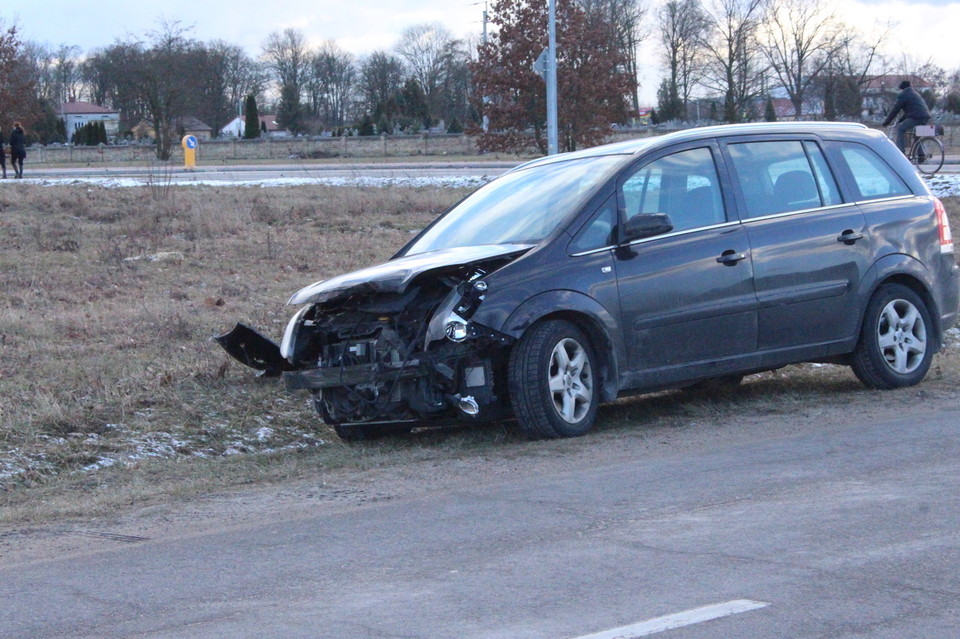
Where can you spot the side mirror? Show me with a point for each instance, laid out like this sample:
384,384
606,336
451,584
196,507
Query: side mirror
646,225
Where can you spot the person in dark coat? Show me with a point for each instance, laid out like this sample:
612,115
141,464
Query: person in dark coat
914,112
3,156
18,149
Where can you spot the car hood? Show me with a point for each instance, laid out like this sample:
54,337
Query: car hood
395,276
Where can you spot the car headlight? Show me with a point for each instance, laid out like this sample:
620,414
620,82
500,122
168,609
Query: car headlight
289,343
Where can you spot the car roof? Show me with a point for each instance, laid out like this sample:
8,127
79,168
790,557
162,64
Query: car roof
633,147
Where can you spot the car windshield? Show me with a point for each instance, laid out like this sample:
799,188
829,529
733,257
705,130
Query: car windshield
521,207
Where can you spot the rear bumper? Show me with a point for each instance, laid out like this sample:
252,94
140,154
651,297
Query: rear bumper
950,295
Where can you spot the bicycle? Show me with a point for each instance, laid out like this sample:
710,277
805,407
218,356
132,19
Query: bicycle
926,152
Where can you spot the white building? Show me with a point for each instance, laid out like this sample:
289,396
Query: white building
77,114
234,128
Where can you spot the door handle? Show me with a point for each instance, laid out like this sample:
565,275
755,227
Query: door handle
849,237
731,257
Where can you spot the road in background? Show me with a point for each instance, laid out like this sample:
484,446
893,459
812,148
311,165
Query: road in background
265,172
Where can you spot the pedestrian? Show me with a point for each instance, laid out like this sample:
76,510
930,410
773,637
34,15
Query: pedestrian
3,155
18,149
914,112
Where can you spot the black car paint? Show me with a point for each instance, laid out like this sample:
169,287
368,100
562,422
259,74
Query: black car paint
743,296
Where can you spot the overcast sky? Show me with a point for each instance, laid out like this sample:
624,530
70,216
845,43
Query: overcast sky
923,30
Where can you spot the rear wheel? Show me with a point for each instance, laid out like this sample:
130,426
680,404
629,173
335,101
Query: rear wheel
895,349
553,387
928,154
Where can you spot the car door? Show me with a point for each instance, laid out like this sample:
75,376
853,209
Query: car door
810,250
686,297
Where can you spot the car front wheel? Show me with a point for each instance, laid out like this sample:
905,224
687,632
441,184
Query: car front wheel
895,348
552,379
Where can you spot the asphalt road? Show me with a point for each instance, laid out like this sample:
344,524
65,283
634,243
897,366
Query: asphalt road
840,530
265,172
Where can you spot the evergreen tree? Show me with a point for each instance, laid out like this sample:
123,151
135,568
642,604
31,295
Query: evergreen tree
102,133
769,113
952,102
366,126
251,119
289,111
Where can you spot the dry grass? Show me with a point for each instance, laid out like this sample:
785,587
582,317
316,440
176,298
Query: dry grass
110,297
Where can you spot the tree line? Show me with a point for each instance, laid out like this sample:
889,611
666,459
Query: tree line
735,53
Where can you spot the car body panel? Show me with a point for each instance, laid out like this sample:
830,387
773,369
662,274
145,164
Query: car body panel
807,279
674,287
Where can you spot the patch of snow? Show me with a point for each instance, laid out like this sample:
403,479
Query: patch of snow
375,182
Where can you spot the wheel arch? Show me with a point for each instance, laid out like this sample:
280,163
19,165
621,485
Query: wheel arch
909,272
584,312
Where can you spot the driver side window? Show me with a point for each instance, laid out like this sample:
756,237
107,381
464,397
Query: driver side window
683,185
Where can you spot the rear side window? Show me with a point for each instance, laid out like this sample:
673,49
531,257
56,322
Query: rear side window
782,176
872,177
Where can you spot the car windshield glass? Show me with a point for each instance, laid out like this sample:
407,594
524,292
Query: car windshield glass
518,208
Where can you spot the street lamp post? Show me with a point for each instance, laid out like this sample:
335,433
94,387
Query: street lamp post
552,80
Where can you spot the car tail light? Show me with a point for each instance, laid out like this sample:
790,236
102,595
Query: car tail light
943,223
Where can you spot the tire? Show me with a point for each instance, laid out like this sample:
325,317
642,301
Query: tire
931,150
553,387
895,347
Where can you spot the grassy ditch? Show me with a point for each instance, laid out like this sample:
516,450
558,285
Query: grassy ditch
112,392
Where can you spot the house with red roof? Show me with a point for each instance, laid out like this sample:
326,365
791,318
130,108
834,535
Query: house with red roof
880,92
75,114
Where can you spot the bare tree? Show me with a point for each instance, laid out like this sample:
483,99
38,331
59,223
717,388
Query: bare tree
425,48
224,76
160,82
381,80
35,62
288,57
733,65
850,68
682,25
626,20
331,84
798,39
65,71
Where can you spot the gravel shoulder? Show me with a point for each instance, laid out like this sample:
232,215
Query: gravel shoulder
674,427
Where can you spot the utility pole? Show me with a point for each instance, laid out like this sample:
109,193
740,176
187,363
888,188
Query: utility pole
552,146
484,22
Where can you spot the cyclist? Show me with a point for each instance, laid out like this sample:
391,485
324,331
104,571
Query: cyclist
914,112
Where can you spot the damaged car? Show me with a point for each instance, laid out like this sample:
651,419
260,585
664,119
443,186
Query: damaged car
687,260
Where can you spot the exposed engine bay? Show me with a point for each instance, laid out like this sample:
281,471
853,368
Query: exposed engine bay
388,346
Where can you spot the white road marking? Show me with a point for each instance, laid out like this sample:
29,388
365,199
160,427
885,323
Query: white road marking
679,619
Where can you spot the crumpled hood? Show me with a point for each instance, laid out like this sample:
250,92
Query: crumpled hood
394,276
